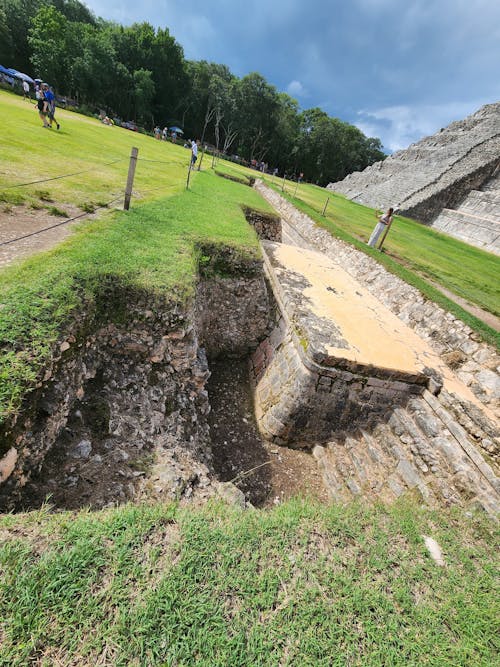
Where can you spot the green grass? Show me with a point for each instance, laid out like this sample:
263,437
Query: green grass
418,254
83,147
299,585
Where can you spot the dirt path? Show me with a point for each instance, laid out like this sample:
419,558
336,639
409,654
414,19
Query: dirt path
20,221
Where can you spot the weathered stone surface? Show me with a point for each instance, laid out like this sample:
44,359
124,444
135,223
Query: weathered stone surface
443,332
436,438
476,220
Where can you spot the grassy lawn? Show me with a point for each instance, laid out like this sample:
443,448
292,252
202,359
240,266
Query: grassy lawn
162,586
299,585
84,147
428,256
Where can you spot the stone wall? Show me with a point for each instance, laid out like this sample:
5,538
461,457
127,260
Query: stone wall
131,395
476,220
300,402
435,173
266,225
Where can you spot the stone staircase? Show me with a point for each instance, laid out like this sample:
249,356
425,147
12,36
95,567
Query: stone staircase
477,219
444,447
419,450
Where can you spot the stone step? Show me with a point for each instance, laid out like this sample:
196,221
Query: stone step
415,452
482,204
480,231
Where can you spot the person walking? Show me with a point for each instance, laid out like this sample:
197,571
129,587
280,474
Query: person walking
383,222
40,103
50,104
194,152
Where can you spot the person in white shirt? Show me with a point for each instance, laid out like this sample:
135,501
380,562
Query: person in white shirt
194,152
383,222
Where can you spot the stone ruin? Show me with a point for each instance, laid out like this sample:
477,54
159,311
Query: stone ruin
450,180
377,397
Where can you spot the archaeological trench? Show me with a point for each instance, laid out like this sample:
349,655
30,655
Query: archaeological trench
312,370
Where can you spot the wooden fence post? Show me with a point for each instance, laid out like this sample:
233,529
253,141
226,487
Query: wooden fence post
201,159
283,184
324,207
386,231
130,177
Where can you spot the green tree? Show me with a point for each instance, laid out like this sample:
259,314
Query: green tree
6,42
47,39
144,91
258,106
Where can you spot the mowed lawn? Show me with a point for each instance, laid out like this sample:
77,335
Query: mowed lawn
468,272
298,586
146,586
98,155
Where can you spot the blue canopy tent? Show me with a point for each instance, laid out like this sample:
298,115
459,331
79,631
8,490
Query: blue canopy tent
20,75
25,77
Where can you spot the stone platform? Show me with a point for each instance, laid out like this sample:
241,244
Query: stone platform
336,358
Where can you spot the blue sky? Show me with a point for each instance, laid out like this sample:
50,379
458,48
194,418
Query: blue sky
398,69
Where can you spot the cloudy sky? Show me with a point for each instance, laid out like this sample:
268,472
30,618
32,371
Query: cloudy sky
398,69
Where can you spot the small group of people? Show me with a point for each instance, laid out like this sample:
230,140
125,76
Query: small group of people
163,134
46,104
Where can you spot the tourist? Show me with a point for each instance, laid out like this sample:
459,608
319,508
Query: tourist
40,103
194,152
49,104
26,90
383,223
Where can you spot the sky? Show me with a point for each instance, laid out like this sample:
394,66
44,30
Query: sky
397,69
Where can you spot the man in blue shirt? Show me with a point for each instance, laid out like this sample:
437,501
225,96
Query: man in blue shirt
50,104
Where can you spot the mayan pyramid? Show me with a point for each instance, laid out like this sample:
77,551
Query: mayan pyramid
457,166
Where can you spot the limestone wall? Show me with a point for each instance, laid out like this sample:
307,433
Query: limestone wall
476,220
300,402
476,363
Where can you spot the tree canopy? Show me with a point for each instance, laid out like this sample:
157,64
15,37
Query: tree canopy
140,73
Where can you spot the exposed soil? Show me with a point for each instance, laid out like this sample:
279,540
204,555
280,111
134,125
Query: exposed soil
20,221
85,467
266,473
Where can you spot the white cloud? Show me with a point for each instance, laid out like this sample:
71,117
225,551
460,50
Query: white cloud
399,126
296,89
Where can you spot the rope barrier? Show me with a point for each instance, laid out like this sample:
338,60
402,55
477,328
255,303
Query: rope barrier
58,224
142,159
55,178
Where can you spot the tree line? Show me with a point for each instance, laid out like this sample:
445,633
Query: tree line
140,73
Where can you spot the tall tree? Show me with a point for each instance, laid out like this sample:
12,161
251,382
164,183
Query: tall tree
258,104
47,39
